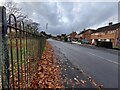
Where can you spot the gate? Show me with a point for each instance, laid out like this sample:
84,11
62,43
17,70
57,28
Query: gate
21,46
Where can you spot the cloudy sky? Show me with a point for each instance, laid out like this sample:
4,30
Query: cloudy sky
65,17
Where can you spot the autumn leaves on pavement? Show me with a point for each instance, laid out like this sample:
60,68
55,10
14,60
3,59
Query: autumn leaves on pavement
48,72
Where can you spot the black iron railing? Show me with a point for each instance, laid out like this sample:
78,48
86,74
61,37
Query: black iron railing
21,48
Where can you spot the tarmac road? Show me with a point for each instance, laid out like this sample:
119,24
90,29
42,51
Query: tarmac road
101,65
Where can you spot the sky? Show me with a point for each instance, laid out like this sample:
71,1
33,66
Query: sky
65,17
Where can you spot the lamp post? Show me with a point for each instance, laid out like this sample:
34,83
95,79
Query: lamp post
46,26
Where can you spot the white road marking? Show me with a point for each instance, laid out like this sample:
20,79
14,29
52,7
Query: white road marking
103,58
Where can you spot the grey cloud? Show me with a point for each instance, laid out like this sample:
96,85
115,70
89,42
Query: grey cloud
64,17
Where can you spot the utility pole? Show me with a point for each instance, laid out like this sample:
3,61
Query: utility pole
46,26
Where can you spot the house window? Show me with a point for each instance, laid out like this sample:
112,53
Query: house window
99,39
113,31
96,33
108,40
102,33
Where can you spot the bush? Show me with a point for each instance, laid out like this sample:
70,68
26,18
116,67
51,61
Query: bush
65,39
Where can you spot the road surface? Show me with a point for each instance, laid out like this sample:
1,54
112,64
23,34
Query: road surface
101,65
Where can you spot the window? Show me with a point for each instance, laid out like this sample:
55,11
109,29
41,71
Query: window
96,33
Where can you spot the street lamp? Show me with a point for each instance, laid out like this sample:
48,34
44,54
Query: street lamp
46,26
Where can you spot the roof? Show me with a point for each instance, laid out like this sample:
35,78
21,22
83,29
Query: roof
72,33
85,31
108,28
63,34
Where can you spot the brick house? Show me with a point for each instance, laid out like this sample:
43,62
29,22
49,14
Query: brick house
118,38
77,37
58,37
86,35
71,36
110,33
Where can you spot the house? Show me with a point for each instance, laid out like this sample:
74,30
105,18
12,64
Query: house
110,33
118,38
71,36
58,37
85,35
77,37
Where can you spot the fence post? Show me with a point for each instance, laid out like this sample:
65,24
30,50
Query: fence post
0,48
4,64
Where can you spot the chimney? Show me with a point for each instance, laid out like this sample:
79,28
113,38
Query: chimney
110,23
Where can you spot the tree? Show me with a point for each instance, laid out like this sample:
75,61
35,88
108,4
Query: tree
65,39
12,8
36,26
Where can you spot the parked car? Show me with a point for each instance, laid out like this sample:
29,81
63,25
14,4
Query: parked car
84,41
74,42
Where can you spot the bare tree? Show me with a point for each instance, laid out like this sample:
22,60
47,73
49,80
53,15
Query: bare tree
36,26
12,8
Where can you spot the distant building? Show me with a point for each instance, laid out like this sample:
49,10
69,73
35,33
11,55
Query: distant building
71,36
77,37
58,37
86,35
110,33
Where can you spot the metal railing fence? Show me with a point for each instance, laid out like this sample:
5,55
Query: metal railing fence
21,46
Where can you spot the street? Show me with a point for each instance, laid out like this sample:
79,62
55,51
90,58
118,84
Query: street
101,65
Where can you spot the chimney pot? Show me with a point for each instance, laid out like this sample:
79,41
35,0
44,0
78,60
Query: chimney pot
110,24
